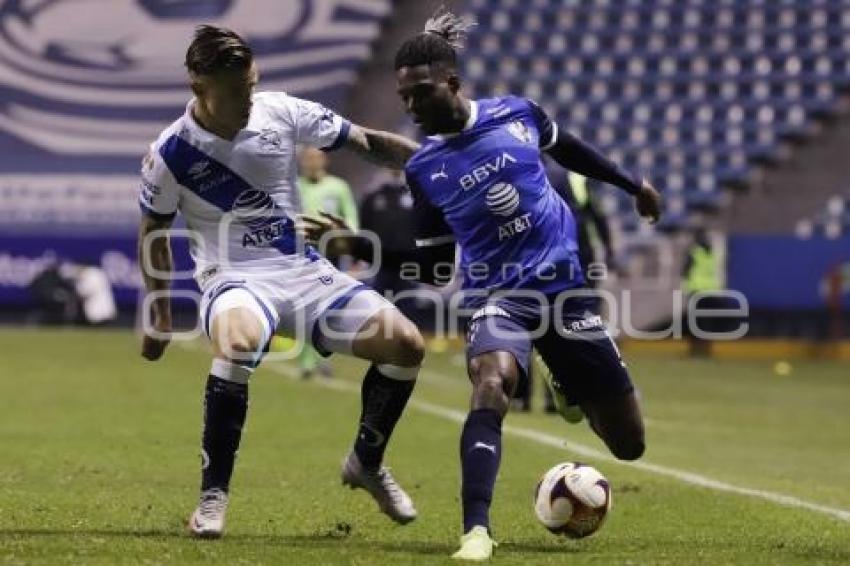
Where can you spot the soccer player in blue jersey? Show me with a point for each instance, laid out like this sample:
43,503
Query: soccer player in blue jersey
478,182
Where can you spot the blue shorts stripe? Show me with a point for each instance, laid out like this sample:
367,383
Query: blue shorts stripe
337,303
237,285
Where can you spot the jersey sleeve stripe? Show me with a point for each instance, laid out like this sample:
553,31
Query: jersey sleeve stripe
435,241
341,137
147,211
554,139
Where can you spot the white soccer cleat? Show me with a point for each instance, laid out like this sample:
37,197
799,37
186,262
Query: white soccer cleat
387,493
208,519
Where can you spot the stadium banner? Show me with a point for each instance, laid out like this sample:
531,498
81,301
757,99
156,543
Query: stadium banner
89,94
81,99
23,257
786,272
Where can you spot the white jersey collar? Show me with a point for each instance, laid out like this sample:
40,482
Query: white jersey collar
205,134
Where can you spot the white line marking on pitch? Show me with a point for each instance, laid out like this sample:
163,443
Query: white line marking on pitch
588,452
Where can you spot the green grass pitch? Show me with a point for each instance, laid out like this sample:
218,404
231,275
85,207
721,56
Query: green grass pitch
99,464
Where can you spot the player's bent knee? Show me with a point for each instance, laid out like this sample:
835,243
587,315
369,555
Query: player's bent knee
407,346
240,345
244,343
490,392
237,336
413,346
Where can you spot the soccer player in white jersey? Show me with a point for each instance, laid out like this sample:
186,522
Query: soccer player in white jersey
228,165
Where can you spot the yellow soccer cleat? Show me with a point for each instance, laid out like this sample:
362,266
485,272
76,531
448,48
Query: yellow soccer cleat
570,413
475,545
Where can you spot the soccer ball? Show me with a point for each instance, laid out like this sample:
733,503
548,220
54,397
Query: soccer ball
572,499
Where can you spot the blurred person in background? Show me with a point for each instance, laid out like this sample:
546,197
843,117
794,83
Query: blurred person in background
321,192
592,229
95,292
54,297
702,273
72,293
387,212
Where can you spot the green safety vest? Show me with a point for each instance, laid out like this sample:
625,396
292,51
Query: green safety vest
578,183
330,194
704,274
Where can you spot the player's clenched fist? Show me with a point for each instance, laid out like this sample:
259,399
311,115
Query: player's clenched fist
155,341
312,228
648,202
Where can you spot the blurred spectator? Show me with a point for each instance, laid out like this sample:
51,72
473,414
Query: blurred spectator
95,293
836,287
388,213
55,299
591,225
701,273
68,293
321,192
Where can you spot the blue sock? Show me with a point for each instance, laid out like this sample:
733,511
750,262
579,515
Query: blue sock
480,453
225,408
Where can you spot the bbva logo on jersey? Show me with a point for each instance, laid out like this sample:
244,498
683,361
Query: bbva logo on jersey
482,173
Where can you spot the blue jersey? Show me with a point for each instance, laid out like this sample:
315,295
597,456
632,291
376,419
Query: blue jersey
486,187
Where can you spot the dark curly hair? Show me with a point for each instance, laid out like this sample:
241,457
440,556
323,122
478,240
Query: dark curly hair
442,38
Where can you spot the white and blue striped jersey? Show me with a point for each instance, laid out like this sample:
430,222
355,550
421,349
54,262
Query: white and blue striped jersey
239,197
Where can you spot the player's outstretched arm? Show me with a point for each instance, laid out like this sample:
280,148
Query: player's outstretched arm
427,257
572,153
154,261
380,147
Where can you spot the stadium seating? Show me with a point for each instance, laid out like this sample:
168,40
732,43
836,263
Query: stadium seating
689,92
832,221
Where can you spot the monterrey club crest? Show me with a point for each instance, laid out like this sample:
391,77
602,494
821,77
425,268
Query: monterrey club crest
520,131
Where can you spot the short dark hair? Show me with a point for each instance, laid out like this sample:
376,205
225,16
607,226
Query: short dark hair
217,49
443,37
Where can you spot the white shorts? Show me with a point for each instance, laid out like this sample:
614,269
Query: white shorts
319,305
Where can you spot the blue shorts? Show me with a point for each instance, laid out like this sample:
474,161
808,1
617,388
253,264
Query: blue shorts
570,337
